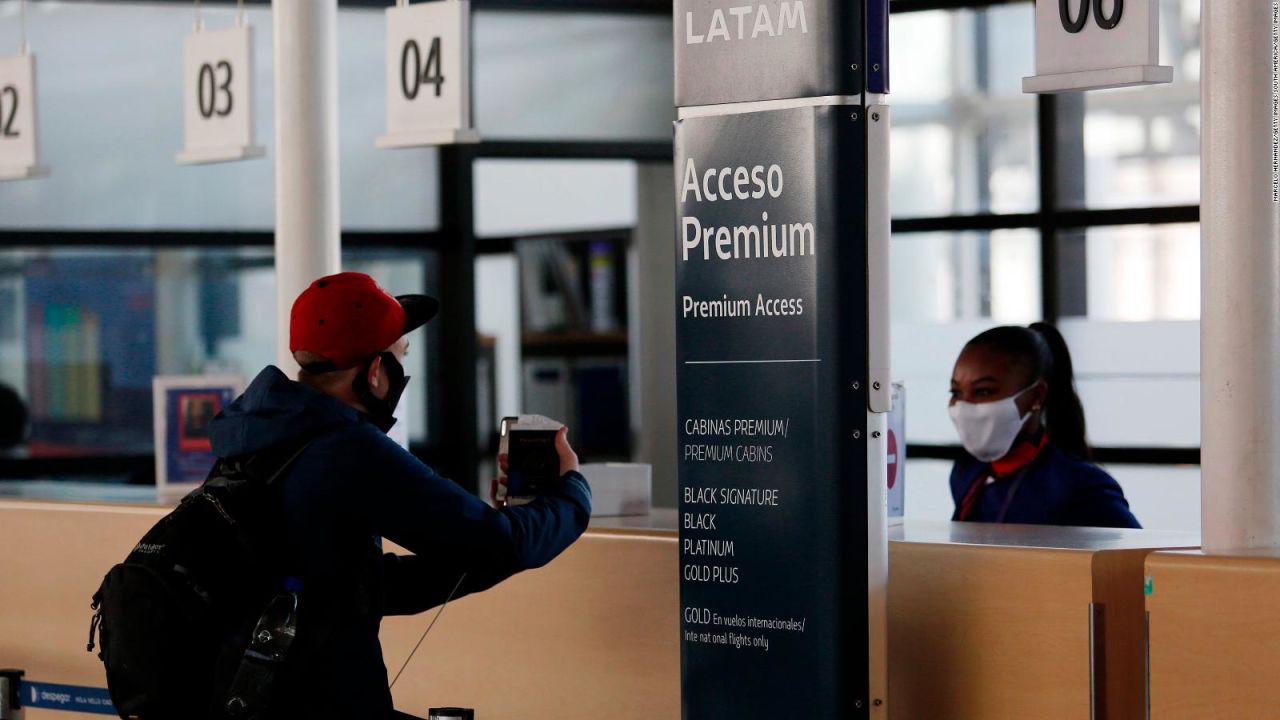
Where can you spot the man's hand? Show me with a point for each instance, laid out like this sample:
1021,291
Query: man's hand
568,458
568,463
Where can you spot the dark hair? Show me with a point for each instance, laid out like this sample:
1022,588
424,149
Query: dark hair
1041,348
13,418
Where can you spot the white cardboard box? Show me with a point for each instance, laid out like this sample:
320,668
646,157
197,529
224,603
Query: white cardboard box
619,488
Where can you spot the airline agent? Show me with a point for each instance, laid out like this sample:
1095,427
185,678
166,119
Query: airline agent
1014,404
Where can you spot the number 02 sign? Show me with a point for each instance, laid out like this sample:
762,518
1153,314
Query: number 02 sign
428,74
217,98
19,151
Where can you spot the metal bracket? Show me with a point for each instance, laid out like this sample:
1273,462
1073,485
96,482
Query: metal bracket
1146,642
880,393
1096,645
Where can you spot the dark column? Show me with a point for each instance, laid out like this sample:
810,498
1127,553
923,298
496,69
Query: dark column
455,375
1062,186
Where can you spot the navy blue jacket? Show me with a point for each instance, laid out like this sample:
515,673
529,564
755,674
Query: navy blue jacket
1056,489
351,486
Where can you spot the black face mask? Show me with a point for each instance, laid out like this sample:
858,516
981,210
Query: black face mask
381,411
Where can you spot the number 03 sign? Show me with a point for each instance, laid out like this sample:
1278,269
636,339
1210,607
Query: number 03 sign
428,74
217,98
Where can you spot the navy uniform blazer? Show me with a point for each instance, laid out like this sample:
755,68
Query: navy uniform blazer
1054,489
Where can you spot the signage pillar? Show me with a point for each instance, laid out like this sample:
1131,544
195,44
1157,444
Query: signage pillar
308,232
1240,255
782,365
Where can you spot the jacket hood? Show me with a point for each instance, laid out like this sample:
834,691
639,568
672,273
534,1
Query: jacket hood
273,410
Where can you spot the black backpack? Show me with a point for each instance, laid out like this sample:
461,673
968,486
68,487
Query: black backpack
174,619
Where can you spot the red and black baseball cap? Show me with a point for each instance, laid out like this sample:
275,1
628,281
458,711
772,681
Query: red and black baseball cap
347,319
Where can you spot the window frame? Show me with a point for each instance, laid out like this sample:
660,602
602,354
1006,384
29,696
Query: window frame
456,242
1051,219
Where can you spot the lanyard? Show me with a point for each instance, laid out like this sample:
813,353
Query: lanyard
969,504
1013,490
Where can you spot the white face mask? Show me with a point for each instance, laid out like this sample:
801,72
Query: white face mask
987,430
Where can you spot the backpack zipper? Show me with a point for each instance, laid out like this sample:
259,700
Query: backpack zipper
94,624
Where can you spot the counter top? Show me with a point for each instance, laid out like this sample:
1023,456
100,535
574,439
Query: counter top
1038,536
666,521
85,492
662,520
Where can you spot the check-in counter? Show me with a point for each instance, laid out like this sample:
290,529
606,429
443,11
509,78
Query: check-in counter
593,635
1214,626
1008,621
984,621
52,558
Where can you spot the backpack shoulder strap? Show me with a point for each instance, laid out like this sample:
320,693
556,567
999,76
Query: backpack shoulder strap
265,467
271,464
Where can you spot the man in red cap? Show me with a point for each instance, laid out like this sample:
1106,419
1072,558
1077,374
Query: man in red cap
352,485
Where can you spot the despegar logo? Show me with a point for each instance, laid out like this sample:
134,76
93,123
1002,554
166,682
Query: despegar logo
1106,22
56,697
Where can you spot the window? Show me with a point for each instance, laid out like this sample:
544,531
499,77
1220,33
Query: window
120,64
963,133
1139,273
184,249
618,66
1080,209
82,332
1142,145
948,276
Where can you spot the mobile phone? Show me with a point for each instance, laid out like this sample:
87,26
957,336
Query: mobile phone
533,465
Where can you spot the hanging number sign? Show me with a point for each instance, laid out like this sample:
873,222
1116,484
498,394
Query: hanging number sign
1095,44
19,150
428,74
217,96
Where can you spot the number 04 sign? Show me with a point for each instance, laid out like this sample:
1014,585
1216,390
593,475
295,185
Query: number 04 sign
217,98
428,74
19,151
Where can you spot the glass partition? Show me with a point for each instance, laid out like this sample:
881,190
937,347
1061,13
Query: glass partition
109,78
964,134
1139,272
1142,145
943,277
572,76
83,331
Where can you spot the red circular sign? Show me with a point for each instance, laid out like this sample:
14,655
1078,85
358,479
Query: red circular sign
893,459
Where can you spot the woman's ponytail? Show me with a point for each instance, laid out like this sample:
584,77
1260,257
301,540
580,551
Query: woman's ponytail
1064,415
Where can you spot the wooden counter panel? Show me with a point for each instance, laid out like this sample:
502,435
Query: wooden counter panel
1214,624
596,634
52,559
1122,663
593,635
977,633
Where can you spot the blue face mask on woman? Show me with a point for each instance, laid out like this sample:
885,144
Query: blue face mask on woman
987,430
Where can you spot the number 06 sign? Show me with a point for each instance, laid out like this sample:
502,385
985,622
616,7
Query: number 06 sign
428,74
217,97
1095,44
